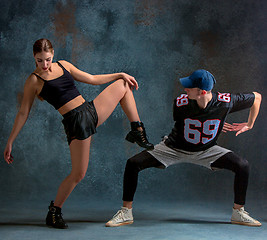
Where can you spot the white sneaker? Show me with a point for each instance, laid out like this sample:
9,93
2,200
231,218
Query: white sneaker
242,217
122,217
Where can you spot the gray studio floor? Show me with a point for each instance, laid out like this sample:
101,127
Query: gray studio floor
167,220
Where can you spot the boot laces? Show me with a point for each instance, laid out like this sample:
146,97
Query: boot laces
144,137
58,217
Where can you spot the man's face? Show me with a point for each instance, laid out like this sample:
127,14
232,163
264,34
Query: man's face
193,93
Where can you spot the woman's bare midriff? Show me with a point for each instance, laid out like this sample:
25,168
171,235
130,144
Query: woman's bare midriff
76,102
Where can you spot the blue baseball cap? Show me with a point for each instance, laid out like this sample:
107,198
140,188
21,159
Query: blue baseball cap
199,79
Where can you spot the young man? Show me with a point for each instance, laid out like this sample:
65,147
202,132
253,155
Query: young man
199,118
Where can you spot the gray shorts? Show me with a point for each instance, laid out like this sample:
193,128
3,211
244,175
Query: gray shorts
170,156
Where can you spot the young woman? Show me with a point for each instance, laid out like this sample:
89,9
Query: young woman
54,82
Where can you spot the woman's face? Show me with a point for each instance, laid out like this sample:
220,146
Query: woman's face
44,60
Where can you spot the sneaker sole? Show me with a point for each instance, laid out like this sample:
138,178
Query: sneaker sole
247,224
119,224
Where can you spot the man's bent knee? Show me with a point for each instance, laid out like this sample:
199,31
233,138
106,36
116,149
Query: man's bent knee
243,165
142,161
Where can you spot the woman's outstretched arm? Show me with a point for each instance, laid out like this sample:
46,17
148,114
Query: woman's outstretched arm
22,115
98,79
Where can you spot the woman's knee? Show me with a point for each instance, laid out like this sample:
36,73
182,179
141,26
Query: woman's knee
122,85
78,176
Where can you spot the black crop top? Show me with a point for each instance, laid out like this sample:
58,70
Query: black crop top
60,90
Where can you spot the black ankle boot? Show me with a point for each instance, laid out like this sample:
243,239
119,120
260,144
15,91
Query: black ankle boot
54,217
139,136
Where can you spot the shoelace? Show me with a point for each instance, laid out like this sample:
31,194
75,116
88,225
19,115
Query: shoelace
248,218
144,137
118,215
244,212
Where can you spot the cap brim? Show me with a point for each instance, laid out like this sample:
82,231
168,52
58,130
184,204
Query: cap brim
186,82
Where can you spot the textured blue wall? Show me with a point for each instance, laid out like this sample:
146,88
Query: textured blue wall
155,41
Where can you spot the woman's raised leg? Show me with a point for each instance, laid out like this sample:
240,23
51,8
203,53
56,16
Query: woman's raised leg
107,100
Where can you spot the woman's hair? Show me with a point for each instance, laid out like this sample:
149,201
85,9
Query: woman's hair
42,45
39,46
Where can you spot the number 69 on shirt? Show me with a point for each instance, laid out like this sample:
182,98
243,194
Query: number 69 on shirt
195,136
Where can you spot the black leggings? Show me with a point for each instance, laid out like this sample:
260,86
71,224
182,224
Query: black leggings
228,161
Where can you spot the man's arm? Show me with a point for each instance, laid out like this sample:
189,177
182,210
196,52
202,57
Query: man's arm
254,110
253,113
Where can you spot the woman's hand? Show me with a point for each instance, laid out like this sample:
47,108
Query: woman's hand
130,80
7,154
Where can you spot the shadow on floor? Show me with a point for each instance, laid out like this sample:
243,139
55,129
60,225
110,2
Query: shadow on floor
194,221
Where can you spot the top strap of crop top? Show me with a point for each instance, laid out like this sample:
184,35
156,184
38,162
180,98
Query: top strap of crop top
60,90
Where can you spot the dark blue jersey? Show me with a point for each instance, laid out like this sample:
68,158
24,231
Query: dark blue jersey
197,129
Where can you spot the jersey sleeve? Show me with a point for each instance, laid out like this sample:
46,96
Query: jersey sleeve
241,101
175,111
178,105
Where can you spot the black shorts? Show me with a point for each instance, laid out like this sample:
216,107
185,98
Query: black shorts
80,123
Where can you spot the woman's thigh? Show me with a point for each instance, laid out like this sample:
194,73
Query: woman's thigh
79,151
108,99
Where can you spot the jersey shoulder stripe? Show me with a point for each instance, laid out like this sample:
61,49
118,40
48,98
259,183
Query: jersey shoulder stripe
182,100
224,97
